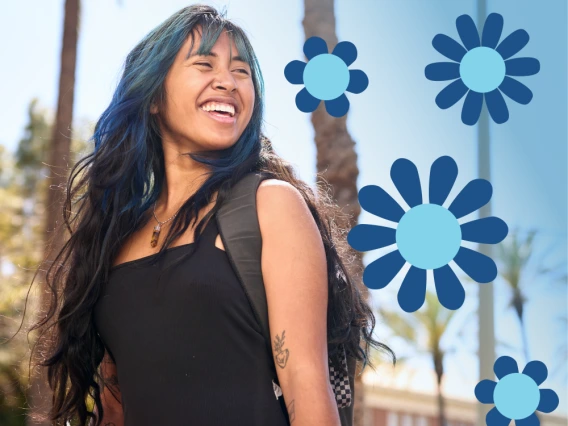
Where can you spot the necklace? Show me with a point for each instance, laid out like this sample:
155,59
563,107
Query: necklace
158,227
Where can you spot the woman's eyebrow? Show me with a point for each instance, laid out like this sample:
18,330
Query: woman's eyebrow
235,58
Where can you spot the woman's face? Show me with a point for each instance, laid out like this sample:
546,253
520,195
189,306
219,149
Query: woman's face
190,83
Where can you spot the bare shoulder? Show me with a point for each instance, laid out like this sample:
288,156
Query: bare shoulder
278,183
277,190
281,202
283,214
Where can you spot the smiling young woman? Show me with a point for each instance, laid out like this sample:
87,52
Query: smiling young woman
183,126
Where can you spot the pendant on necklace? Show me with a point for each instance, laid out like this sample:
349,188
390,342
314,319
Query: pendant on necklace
155,236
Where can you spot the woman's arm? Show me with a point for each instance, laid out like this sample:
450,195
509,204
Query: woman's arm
111,418
110,396
294,271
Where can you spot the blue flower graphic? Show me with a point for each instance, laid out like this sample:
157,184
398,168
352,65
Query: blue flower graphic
428,236
326,76
482,68
516,396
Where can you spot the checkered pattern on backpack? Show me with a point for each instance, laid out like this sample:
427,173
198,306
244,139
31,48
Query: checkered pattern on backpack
340,382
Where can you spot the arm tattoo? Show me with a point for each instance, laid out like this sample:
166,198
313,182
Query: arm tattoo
291,411
112,383
281,355
112,380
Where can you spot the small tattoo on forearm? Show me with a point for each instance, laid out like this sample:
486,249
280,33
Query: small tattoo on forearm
112,381
281,355
291,411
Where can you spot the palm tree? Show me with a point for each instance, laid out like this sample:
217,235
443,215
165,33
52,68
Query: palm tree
432,321
337,162
40,394
514,256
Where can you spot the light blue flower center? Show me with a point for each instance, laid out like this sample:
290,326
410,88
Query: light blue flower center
326,76
482,69
516,396
428,236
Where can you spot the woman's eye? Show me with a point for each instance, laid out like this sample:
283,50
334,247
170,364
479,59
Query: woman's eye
209,65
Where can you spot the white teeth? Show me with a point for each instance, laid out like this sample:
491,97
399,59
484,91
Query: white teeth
213,106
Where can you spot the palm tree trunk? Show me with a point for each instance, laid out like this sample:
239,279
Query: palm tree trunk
441,406
40,394
519,307
439,369
337,159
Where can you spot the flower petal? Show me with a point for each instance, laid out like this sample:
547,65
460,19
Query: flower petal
472,108
537,371
377,201
358,81
412,292
495,418
497,106
365,237
379,273
548,401
467,31
294,72
450,94
505,365
443,174
404,175
513,43
473,196
337,107
346,51
516,90
531,420
442,71
451,293
484,391
488,230
521,67
306,102
492,30
448,47
315,46
479,267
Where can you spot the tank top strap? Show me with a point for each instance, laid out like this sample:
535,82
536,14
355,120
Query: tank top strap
210,232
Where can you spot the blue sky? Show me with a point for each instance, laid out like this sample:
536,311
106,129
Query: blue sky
395,117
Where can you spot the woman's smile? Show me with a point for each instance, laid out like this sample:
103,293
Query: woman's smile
222,118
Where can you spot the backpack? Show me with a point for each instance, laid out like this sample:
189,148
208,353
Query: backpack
237,221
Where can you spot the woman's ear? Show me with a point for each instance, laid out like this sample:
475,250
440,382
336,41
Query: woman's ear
153,109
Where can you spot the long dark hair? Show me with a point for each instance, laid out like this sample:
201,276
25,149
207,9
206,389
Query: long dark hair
111,190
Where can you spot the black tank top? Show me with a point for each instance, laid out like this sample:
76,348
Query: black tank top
188,351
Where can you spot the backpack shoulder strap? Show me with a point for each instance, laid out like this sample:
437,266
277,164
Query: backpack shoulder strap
240,232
